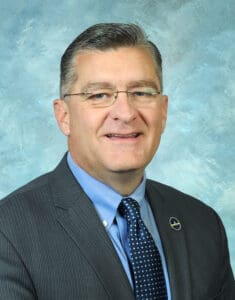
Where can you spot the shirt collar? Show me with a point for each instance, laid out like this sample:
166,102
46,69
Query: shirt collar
105,199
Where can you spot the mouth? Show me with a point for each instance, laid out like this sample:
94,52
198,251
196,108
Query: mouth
133,135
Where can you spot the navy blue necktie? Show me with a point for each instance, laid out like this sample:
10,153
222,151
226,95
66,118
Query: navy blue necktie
145,260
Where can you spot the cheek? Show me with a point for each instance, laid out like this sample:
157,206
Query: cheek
76,123
83,125
155,131
153,118
159,119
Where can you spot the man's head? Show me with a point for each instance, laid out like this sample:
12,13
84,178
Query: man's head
103,37
114,112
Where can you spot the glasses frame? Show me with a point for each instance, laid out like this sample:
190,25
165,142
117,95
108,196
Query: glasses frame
114,94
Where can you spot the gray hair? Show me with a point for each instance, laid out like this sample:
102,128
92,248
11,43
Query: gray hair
102,37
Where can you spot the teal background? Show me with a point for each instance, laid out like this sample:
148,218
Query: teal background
197,41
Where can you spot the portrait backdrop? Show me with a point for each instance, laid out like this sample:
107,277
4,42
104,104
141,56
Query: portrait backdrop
196,39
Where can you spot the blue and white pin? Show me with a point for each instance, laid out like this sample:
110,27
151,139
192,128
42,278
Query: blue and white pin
175,224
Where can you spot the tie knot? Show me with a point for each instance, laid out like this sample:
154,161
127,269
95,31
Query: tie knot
130,209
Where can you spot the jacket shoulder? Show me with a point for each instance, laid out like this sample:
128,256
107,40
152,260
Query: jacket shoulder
37,187
179,200
36,184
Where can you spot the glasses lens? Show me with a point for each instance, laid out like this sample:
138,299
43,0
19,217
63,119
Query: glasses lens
100,98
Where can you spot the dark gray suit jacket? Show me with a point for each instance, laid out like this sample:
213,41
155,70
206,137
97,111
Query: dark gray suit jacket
53,245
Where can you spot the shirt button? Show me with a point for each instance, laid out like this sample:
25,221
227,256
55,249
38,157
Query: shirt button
105,223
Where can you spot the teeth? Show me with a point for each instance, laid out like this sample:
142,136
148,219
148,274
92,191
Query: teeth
122,135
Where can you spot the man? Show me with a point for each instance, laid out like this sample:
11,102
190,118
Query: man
72,233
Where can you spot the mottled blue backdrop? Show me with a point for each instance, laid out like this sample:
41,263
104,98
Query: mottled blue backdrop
197,41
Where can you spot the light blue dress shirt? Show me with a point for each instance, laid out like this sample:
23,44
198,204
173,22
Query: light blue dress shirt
106,201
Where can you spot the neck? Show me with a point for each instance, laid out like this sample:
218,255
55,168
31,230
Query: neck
123,182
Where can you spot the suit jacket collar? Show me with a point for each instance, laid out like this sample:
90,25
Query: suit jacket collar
174,242
77,215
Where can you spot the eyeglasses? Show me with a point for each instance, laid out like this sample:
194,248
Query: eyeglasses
105,97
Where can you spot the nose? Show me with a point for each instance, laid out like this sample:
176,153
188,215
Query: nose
123,109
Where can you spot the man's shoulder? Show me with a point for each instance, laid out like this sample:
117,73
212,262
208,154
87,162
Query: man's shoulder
37,185
193,213
177,199
168,190
27,205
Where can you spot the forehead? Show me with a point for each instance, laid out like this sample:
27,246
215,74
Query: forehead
123,64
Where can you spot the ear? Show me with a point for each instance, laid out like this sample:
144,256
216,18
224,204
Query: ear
61,112
164,111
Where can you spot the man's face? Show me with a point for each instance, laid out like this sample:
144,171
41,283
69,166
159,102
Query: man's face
119,138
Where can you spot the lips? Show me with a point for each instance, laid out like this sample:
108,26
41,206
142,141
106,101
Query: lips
119,135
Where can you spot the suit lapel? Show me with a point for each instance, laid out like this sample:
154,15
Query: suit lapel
77,215
174,242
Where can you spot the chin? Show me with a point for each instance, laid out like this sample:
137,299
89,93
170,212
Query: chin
127,168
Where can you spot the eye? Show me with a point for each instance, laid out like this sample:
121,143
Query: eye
98,96
141,94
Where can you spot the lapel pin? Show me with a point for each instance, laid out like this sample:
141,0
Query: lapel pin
175,223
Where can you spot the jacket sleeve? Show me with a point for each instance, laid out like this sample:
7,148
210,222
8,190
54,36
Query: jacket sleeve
227,278
15,282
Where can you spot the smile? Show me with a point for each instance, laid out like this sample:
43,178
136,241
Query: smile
123,136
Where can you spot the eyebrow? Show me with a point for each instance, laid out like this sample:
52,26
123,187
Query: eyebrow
143,83
92,86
